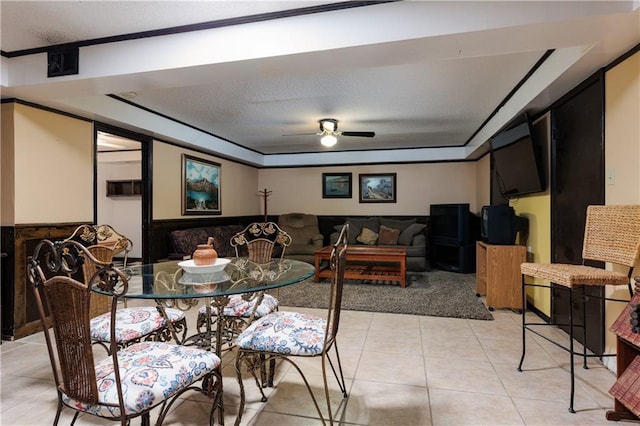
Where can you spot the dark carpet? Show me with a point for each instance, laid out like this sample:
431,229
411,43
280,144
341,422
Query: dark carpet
435,293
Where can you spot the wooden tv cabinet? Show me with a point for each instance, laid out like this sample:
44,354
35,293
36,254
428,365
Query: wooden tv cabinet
498,274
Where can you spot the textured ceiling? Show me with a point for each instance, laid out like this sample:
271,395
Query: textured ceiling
433,80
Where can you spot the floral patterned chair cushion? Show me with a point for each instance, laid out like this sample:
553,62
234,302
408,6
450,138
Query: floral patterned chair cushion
150,372
290,333
238,307
132,323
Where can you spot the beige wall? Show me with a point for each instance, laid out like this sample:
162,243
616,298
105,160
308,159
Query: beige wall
483,183
53,168
7,180
239,184
622,156
418,186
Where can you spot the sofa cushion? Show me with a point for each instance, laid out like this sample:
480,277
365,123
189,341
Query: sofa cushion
406,236
185,241
222,240
388,236
396,223
367,236
356,225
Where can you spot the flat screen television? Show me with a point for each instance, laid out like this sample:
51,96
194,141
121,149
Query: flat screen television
499,225
517,160
449,223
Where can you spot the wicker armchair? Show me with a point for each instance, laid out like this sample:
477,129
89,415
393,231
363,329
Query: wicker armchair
612,234
112,387
278,336
134,324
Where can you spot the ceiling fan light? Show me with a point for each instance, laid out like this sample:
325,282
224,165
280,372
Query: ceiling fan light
328,140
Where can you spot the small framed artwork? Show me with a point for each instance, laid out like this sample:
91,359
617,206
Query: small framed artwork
378,188
336,185
200,186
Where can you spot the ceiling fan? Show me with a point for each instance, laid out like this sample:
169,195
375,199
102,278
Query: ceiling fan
329,132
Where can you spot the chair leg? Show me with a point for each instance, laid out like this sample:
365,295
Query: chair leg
571,351
584,328
524,324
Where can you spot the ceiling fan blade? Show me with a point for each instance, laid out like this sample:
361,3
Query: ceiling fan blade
360,134
302,134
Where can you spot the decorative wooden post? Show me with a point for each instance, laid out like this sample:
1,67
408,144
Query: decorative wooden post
265,194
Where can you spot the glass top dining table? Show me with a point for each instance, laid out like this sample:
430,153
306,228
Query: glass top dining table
170,280
181,284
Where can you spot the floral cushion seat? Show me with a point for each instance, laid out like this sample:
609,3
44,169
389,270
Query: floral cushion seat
132,323
238,307
151,372
289,333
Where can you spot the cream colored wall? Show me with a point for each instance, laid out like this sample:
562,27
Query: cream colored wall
622,156
537,209
418,186
483,183
238,192
56,185
7,179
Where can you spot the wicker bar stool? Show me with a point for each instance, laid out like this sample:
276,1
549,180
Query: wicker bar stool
612,234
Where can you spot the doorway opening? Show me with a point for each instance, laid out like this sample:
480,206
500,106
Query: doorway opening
119,188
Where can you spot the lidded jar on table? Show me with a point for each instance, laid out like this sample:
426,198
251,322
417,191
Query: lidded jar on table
205,254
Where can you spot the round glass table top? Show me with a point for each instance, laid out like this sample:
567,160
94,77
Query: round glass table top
167,280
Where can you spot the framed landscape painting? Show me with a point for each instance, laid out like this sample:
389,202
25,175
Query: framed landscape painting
200,186
378,188
336,185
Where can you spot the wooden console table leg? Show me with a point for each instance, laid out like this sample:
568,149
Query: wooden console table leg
403,272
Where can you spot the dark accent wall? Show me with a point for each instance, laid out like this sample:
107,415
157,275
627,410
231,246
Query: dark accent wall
161,248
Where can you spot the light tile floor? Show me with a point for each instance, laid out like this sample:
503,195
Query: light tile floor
400,370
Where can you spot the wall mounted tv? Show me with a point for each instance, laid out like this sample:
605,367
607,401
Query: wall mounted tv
517,160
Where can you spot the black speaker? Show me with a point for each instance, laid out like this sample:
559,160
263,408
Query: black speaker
63,61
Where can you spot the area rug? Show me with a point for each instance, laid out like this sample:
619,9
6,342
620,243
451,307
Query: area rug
435,293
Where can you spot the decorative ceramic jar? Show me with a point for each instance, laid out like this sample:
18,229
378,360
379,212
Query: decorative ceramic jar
205,254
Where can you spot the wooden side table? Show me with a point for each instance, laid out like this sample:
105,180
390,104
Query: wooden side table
498,274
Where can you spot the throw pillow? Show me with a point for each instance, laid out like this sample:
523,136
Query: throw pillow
406,236
367,236
356,225
397,223
388,236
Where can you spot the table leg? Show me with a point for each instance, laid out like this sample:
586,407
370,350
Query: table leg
316,259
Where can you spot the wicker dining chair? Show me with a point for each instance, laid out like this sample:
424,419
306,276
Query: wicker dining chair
287,335
103,235
134,324
260,240
612,234
130,381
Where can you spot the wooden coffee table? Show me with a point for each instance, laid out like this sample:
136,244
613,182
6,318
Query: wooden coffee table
363,263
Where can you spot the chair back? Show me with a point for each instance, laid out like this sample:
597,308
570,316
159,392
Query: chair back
100,303
338,263
260,239
68,304
103,235
612,234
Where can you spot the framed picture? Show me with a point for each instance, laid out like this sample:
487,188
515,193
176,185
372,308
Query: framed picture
336,185
378,188
200,186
